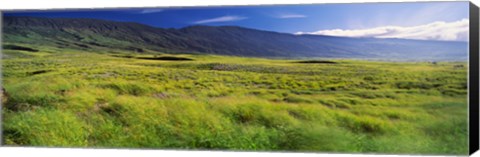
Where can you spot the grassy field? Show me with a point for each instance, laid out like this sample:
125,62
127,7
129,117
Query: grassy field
187,101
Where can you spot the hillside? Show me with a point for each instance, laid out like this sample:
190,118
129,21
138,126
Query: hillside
100,84
101,35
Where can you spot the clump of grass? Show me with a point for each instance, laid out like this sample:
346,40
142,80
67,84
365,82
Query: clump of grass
128,88
45,127
297,99
334,103
414,85
37,93
365,124
317,137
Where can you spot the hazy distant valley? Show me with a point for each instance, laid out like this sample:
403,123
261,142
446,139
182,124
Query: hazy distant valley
113,37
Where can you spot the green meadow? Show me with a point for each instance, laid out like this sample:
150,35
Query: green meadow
73,98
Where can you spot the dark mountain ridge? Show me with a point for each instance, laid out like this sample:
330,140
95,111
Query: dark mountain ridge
94,34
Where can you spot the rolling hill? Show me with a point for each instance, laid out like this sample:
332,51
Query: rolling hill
110,36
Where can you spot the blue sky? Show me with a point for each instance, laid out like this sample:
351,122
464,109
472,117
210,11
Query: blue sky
282,18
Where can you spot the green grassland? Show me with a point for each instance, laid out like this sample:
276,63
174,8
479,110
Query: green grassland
68,98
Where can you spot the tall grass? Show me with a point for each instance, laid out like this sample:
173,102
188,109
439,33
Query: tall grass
231,103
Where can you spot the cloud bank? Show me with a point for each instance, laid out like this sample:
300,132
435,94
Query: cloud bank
440,30
148,11
289,16
220,19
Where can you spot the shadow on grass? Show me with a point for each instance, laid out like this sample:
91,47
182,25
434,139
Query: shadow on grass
21,48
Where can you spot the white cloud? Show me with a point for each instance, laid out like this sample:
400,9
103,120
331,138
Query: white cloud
220,19
289,16
148,11
440,30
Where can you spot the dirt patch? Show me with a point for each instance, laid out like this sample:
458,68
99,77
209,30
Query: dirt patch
161,95
123,56
38,72
316,62
169,58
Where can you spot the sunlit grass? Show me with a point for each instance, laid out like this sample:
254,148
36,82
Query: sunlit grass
85,99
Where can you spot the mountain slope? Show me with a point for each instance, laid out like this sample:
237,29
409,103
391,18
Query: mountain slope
92,34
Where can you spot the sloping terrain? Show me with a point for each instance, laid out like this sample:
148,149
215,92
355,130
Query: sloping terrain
99,35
